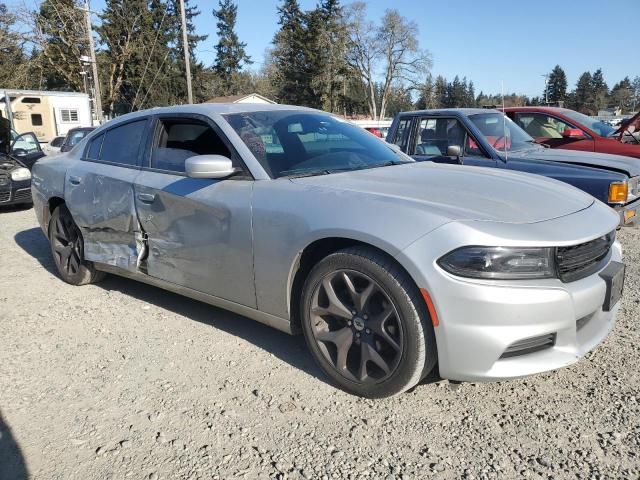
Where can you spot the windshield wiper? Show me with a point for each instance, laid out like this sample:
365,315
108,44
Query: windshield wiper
327,171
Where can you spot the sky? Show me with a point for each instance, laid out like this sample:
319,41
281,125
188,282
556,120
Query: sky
491,42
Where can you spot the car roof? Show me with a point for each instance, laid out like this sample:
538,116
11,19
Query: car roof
214,109
451,111
540,108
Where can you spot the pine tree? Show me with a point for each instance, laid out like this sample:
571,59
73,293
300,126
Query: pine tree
599,91
62,38
622,94
583,95
231,55
440,92
556,85
290,57
327,36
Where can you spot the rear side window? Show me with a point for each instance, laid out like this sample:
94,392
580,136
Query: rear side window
122,144
56,142
93,151
402,133
179,139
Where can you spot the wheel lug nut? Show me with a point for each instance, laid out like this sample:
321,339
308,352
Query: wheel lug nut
353,312
368,331
349,323
358,335
366,317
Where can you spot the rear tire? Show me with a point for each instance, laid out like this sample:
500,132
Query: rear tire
365,323
67,248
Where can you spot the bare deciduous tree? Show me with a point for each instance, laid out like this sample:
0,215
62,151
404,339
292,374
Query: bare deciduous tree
404,61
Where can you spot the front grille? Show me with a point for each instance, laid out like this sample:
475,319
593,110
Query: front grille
22,194
4,196
579,261
530,345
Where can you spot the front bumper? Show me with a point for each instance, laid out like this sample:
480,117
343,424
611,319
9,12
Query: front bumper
15,192
480,321
629,213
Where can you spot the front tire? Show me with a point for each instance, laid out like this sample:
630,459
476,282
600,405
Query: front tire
365,323
67,248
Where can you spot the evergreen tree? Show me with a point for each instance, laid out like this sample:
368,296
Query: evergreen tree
231,55
440,92
290,57
327,36
471,95
583,95
622,94
62,38
599,91
556,85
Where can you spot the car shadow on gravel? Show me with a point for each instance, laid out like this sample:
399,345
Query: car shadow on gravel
34,242
290,349
12,465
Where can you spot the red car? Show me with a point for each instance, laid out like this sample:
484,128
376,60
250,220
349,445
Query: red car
564,128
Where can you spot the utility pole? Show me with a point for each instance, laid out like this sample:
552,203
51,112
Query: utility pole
546,88
185,47
97,98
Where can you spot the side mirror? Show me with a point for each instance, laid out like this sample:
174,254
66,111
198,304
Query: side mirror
572,133
209,166
454,151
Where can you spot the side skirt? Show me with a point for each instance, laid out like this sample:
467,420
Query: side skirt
262,317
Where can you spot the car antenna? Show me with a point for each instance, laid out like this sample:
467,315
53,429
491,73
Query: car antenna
504,125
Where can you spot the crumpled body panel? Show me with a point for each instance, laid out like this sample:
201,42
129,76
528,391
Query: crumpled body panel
101,200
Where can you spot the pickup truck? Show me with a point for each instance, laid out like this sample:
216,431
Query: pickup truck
488,138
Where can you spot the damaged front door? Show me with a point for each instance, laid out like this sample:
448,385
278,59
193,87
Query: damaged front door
198,231
100,195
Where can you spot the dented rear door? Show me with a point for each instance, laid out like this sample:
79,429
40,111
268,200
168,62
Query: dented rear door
99,192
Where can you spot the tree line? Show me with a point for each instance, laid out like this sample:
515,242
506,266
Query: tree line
330,57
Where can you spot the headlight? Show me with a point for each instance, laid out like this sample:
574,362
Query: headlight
20,174
500,263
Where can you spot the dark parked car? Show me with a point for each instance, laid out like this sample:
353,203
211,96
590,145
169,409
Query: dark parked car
571,130
74,136
17,154
488,138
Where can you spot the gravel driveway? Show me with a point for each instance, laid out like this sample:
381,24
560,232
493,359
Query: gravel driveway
122,380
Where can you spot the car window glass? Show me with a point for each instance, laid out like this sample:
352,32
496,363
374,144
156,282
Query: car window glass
540,125
56,142
93,152
179,139
402,133
121,144
300,143
74,137
435,135
27,142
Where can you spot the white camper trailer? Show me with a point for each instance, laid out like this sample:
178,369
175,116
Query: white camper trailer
47,114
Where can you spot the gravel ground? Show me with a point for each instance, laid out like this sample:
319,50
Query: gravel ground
122,380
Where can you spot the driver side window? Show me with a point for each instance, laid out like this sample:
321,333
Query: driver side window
181,138
436,135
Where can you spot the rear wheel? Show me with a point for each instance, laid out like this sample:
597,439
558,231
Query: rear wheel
366,325
67,248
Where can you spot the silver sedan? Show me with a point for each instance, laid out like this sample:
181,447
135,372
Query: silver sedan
300,220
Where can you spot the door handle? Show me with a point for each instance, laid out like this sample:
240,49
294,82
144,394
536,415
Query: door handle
73,180
146,197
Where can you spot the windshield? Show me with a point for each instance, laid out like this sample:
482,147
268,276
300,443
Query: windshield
501,132
75,137
591,123
297,143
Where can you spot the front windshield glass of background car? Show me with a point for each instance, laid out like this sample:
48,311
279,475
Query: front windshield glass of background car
75,137
291,143
501,132
594,124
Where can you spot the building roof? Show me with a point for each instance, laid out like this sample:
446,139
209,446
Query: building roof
238,98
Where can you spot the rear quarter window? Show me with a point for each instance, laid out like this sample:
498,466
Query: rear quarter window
401,136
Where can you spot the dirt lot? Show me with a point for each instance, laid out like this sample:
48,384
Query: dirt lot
122,380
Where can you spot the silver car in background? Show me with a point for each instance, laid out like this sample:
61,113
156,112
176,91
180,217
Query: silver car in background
297,219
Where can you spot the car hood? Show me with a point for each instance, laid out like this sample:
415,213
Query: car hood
460,192
627,124
617,163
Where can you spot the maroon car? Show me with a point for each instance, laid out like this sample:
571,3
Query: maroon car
564,128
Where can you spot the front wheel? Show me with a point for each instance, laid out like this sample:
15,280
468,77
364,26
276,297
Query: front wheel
67,248
366,325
